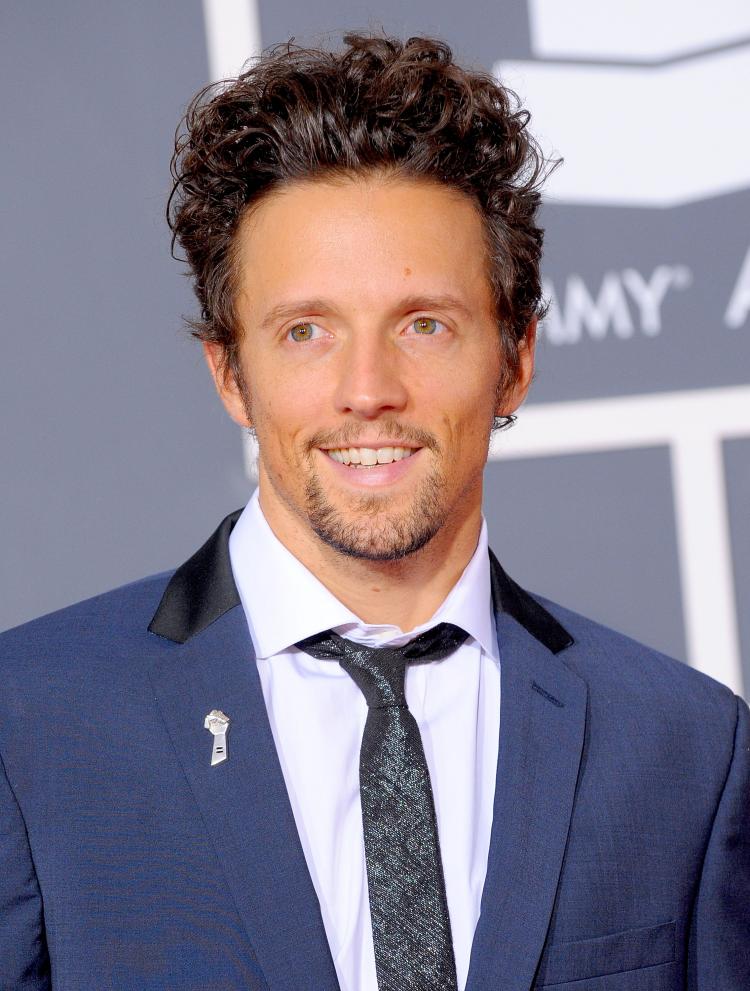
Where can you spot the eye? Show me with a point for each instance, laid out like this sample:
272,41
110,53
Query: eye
426,326
302,332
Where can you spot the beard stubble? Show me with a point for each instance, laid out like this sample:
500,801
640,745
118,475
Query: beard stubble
371,529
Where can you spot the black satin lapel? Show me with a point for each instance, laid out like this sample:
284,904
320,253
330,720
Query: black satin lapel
542,726
244,802
510,598
201,590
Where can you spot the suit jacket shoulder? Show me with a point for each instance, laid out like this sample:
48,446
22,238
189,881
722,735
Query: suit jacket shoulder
95,632
112,629
627,675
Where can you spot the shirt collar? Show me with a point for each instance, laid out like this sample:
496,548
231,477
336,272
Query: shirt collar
284,602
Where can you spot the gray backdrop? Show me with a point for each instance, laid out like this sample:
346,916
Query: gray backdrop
117,459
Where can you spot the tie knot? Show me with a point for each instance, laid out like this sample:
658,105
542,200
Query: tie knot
380,672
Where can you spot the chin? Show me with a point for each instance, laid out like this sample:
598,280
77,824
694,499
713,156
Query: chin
375,530
388,543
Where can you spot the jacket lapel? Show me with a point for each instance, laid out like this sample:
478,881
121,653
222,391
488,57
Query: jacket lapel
542,725
207,662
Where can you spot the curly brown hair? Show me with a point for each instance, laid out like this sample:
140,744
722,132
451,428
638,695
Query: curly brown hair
380,105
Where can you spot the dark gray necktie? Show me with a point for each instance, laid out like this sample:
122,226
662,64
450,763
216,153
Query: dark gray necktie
410,923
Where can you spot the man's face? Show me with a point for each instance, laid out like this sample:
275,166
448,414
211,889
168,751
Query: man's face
370,361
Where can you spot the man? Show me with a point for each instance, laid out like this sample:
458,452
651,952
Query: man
339,747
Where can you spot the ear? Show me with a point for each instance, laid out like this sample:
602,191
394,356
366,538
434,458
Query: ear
226,383
515,395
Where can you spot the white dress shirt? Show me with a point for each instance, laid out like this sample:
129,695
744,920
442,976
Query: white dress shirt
317,715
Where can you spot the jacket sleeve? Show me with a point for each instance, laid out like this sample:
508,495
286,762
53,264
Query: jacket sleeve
24,961
719,948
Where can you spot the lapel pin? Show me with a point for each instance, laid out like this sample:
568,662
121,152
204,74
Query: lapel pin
218,724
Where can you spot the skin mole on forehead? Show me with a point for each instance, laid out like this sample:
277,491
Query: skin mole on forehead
407,271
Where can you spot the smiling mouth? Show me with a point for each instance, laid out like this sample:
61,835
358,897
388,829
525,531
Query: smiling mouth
369,457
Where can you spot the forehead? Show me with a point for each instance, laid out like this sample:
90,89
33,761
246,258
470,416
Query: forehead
361,239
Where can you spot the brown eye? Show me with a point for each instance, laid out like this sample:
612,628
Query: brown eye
425,325
302,332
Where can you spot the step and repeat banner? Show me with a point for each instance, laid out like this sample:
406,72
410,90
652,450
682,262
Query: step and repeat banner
624,489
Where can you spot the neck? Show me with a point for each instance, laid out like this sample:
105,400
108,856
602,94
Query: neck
404,593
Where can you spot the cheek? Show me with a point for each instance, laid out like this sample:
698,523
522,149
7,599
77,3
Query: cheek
469,400
285,408
467,423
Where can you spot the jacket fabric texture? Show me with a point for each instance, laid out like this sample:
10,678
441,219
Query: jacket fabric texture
620,849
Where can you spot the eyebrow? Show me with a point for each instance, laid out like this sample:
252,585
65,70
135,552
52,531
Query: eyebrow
408,304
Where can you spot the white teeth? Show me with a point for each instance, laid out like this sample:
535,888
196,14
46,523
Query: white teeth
369,456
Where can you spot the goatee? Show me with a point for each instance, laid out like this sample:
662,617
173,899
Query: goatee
369,529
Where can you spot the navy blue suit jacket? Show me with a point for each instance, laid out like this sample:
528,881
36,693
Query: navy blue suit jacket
620,849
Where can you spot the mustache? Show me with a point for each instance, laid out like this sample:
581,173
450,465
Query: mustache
391,430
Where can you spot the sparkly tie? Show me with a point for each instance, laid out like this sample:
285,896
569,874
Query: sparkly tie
410,923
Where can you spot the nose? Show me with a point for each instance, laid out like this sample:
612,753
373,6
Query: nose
370,382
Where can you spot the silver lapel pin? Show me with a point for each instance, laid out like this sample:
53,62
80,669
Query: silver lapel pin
218,724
